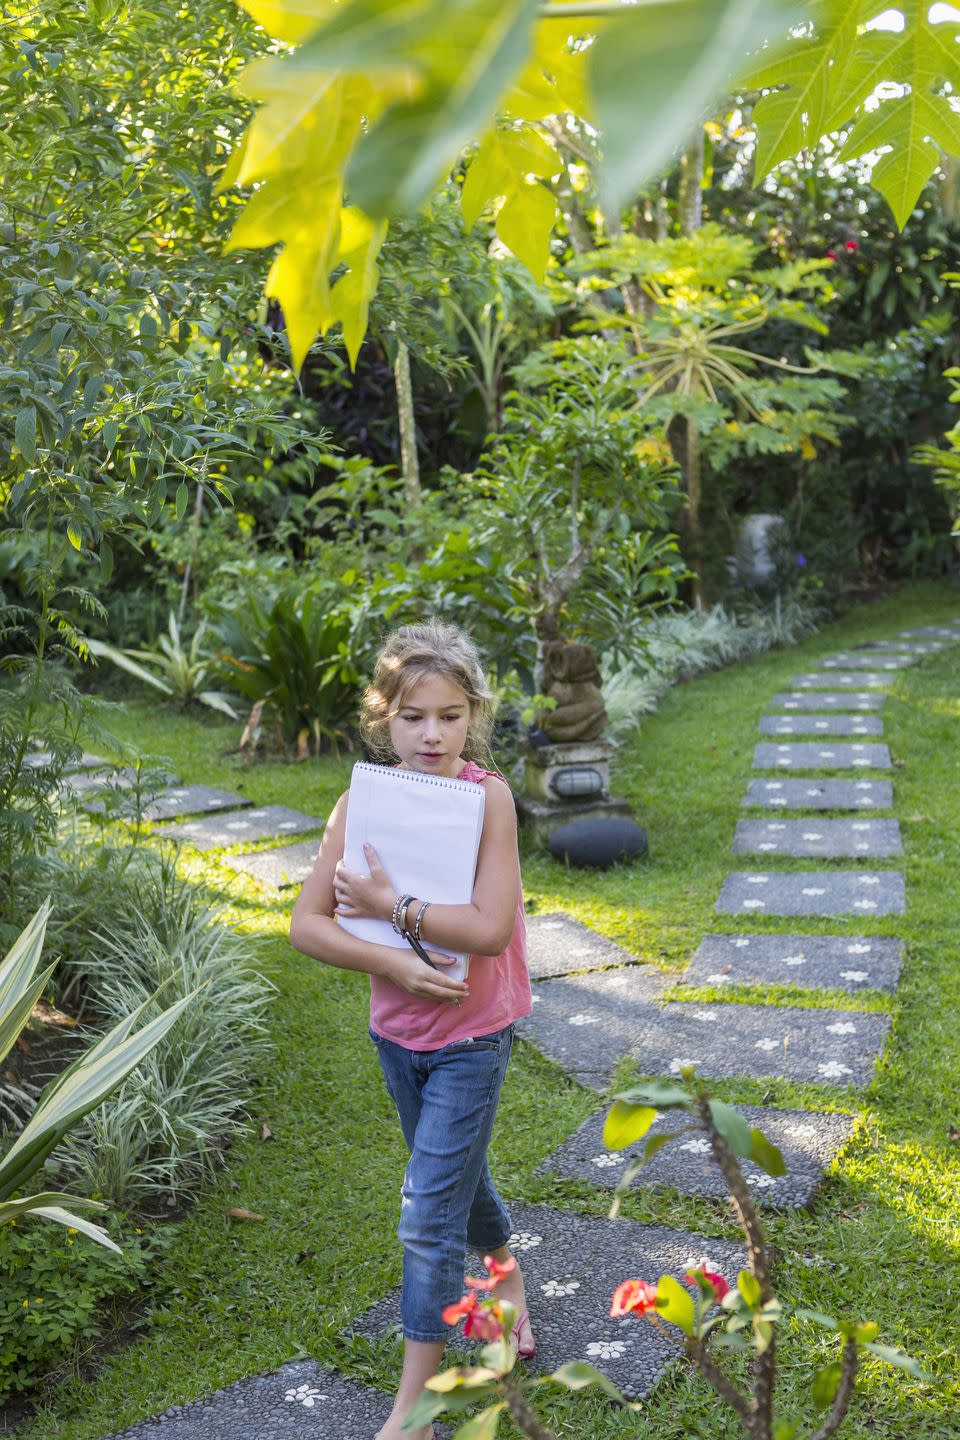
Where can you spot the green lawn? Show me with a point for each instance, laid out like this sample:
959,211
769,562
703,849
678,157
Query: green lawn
883,1238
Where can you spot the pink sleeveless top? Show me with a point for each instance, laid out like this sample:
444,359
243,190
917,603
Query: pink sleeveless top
499,990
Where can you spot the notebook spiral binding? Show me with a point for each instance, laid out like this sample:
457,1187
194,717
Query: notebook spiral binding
444,782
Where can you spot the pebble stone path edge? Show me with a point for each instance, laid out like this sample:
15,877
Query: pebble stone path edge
593,1002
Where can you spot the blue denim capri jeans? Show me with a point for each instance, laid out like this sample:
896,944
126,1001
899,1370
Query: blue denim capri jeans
446,1100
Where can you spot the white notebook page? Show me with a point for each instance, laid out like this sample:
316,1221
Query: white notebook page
426,830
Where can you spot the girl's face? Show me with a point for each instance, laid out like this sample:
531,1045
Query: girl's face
429,729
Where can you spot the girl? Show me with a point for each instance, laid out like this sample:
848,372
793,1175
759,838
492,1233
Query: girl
443,1044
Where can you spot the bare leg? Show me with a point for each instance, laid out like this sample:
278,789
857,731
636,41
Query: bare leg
511,1288
421,1359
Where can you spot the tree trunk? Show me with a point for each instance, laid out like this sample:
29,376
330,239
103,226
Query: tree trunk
694,477
690,200
409,463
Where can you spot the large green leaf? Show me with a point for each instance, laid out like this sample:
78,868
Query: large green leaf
625,1124
482,1426
578,1375
471,55
47,1206
675,1304
654,71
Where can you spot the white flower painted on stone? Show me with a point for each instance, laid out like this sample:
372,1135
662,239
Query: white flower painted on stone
813,890
868,879
676,1065
767,1044
761,1181
864,785
861,825
778,801
794,960
603,1161
696,1147
864,801
788,763
862,845
861,762
827,754
812,835
606,1349
536,999
758,879
524,1240
791,705
769,845
754,905
773,785
864,904
307,1395
584,1019
774,828
862,948
821,725
832,1069
857,976
718,979
555,1289
741,942
705,1014
842,1027
814,792
783,748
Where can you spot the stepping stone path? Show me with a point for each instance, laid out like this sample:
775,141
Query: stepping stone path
827,962
191,800
594,1002
819,794
788,756
809,1142
812,892
823,839
276,869
572,1264
829,700
849,661
813,679
820,725
216,832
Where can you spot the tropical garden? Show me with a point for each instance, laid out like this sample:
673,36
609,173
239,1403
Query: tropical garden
627,323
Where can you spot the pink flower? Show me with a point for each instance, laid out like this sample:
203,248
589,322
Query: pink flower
851,245
496,1270
830,255
715,1281
635,1297
483,1324
465,1306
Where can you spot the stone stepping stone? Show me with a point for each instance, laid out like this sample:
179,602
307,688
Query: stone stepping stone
827,962
192,800
855,660
821,725
585,1023
81,782
950,631
830,700
557,945
87,761
800,756
575,1016
214,832
815,679
907,647
819,839
571,1266
300,1401
286,865
809,1141
813,892
819,794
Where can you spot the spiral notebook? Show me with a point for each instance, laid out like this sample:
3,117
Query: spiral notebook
426,830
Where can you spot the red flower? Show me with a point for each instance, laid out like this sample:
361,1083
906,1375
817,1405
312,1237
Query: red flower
483,1324
715,1281
495,1273
465,1306
635,1297
830,255
851,245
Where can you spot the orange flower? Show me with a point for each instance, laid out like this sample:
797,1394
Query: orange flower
635,1297
483,1324
496,1270
453,1313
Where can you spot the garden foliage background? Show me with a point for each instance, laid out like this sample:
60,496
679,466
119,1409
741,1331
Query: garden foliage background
547,397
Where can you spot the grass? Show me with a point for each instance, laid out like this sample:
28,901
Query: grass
882,1240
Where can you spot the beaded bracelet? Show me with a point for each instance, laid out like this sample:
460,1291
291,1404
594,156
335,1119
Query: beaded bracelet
400,909
420,914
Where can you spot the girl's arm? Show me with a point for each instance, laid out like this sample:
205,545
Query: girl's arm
314,931
485,926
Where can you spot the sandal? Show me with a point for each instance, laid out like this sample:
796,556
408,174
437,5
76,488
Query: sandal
526,1352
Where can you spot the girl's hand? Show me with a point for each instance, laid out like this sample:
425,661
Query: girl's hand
364,897
409,972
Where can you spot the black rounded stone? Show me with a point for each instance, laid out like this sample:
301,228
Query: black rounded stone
598,842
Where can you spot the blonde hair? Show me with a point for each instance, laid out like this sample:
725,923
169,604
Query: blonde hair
412,654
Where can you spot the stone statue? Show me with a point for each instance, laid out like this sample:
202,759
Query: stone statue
572,678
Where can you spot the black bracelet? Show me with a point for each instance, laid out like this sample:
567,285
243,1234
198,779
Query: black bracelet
420,950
